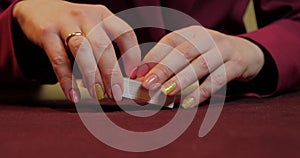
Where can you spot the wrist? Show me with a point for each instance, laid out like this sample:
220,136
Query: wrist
260,57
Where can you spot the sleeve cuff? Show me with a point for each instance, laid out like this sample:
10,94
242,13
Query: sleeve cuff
263,85
32,60
280,44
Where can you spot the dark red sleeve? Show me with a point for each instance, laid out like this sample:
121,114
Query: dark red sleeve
21,61
9,68
279,35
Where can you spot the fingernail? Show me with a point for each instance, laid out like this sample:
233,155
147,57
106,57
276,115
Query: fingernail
188,102
99,91
142,70
133,73
154,86
117,92
73,96
169,87
150,81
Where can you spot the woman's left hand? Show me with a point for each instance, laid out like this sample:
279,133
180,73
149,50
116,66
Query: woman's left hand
205,54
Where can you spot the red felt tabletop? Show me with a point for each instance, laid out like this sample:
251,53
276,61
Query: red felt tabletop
246,128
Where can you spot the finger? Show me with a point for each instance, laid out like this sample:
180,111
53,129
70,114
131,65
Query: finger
100,43
106,59
199,68
159,51
215,81
61,65
152,58
83,54
174,62
124,36
107,63
197,36
111,74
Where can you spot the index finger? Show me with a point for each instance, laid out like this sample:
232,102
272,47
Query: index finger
196,36
61,66
119,31
160,51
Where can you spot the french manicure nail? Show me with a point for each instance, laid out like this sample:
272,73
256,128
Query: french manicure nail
169,87
99,91
188,102
73,96
150,81
117,92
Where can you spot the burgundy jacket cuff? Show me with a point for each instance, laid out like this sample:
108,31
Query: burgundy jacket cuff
8,61
32,61
281,41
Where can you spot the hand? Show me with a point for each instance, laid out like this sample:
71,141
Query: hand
190,52
47,23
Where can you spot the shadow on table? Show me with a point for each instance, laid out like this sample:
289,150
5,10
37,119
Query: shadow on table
29,96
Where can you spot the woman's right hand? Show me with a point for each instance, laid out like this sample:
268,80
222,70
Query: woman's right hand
47,23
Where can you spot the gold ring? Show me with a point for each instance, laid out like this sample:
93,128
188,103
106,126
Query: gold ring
72,35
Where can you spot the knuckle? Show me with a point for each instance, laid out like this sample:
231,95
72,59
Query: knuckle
101,49
202,64
46,29
225,46
163,70
128,35
59,61
204,92
197,30
103,11
77,12
238,60
75,42
102,8
187,51
109,73
101,44
218,80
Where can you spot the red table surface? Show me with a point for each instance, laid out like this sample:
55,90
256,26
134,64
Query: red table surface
247,127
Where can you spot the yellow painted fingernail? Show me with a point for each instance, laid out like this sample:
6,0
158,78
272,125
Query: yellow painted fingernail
188,102
99,91
169,87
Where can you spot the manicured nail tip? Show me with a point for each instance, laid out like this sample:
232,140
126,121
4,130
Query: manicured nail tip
150,81
168,88
117,92
188,102
99,91
73,96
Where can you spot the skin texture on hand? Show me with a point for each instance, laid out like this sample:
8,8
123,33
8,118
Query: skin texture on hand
48,23
190,52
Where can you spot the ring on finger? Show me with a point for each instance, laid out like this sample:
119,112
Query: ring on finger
70,35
